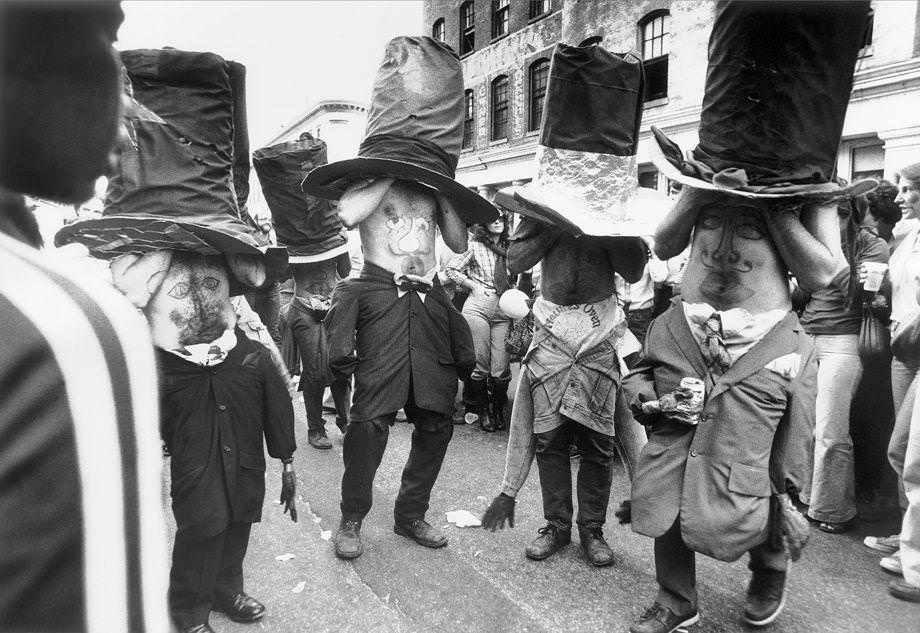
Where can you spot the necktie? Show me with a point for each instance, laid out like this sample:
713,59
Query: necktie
717,359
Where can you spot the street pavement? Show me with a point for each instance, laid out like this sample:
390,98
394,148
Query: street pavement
483,582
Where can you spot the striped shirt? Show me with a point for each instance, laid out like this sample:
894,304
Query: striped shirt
477,263
82,522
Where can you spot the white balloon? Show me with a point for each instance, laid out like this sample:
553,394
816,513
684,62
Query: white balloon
513,302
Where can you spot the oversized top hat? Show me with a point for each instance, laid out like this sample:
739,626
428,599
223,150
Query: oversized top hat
587,176
307,226
777,90
414,128
173,188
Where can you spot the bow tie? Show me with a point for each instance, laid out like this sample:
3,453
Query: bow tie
406,284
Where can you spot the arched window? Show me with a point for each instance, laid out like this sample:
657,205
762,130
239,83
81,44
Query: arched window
467,28
499,18
500,108
437,30
539,71
467,119
656,45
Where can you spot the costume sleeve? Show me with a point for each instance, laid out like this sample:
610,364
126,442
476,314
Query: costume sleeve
457,265
340,324
793,444
521,440
639,384
278,412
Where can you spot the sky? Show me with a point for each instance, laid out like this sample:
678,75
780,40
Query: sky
295,53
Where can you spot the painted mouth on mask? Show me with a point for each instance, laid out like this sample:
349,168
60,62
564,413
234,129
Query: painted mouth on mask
725,286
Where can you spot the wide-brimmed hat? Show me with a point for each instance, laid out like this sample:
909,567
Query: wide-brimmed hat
309,227
173,187
587,174
777,89
414,128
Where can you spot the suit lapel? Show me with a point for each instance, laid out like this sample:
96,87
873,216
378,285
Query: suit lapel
779,341
683,337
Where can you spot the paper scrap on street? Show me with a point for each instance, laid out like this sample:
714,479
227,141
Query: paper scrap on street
325,535
284,557
299,587
463,518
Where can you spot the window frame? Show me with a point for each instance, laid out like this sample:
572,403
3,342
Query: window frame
547,6
542,63
655,65
504,82
469,119
501,18
439,24
467,27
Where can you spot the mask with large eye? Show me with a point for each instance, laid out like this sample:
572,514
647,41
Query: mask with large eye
315,279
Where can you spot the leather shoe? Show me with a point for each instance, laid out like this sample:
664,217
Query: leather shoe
903,590
198,628
549,541
766,596
596,549
348,540
422,533
318,439
240,608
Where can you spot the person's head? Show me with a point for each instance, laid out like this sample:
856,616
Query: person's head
908,198
883,212
60,96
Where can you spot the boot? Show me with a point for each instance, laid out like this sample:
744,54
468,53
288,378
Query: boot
480,396
498,399
470,410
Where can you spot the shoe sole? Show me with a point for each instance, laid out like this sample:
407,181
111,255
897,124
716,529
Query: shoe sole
544,556
893,570
409,535
782,604
875,546
349,555
240,620
321,448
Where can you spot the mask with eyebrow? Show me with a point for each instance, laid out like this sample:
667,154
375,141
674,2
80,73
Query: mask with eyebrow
733,260
397,219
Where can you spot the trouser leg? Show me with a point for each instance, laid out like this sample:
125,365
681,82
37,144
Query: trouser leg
762,557
230,575
430,436
554,464
897,443
595,475
362,451
473,312
313,403
675,571
195,565
910,528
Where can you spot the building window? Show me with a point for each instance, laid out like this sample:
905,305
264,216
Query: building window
539,71
867,161
437,31
865,47
500,108
655,48
467,119
648,177
499,18
538,8
467,28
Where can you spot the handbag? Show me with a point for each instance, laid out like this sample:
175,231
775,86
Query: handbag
519,337
874,338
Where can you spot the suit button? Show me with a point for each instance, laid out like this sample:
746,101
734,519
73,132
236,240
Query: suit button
226,449
222,407
693,453
412,348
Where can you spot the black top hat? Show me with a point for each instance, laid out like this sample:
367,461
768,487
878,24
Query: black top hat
307,226
777,90
414,127
173,188
587,174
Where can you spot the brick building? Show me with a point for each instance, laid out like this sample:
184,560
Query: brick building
505,47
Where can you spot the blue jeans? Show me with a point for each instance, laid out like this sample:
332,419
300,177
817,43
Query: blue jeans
903,388
489,326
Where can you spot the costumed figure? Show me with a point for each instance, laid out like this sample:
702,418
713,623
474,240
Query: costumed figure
581,219
726,382
178,250
317,247
393,326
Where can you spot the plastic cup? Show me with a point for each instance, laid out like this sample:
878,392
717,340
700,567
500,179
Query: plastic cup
875,274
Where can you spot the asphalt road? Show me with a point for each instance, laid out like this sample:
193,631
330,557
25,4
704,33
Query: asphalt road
483,582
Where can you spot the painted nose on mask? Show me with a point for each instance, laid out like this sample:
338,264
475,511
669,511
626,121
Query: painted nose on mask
409,244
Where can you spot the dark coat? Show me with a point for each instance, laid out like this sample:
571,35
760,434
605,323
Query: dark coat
754,437
386,341
213,420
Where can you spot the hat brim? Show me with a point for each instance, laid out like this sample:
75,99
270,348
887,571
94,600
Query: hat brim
110,236
823,191
318,257
330,180
533,201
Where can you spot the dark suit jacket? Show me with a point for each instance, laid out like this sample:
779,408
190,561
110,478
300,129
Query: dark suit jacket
213,420
754,437
386,341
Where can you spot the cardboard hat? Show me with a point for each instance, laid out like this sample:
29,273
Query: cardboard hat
309,227
777,89
587,174
414,128
173,188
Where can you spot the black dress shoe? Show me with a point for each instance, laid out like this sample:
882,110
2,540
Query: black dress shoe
348,540
241,608
549,540
422,533
198,628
